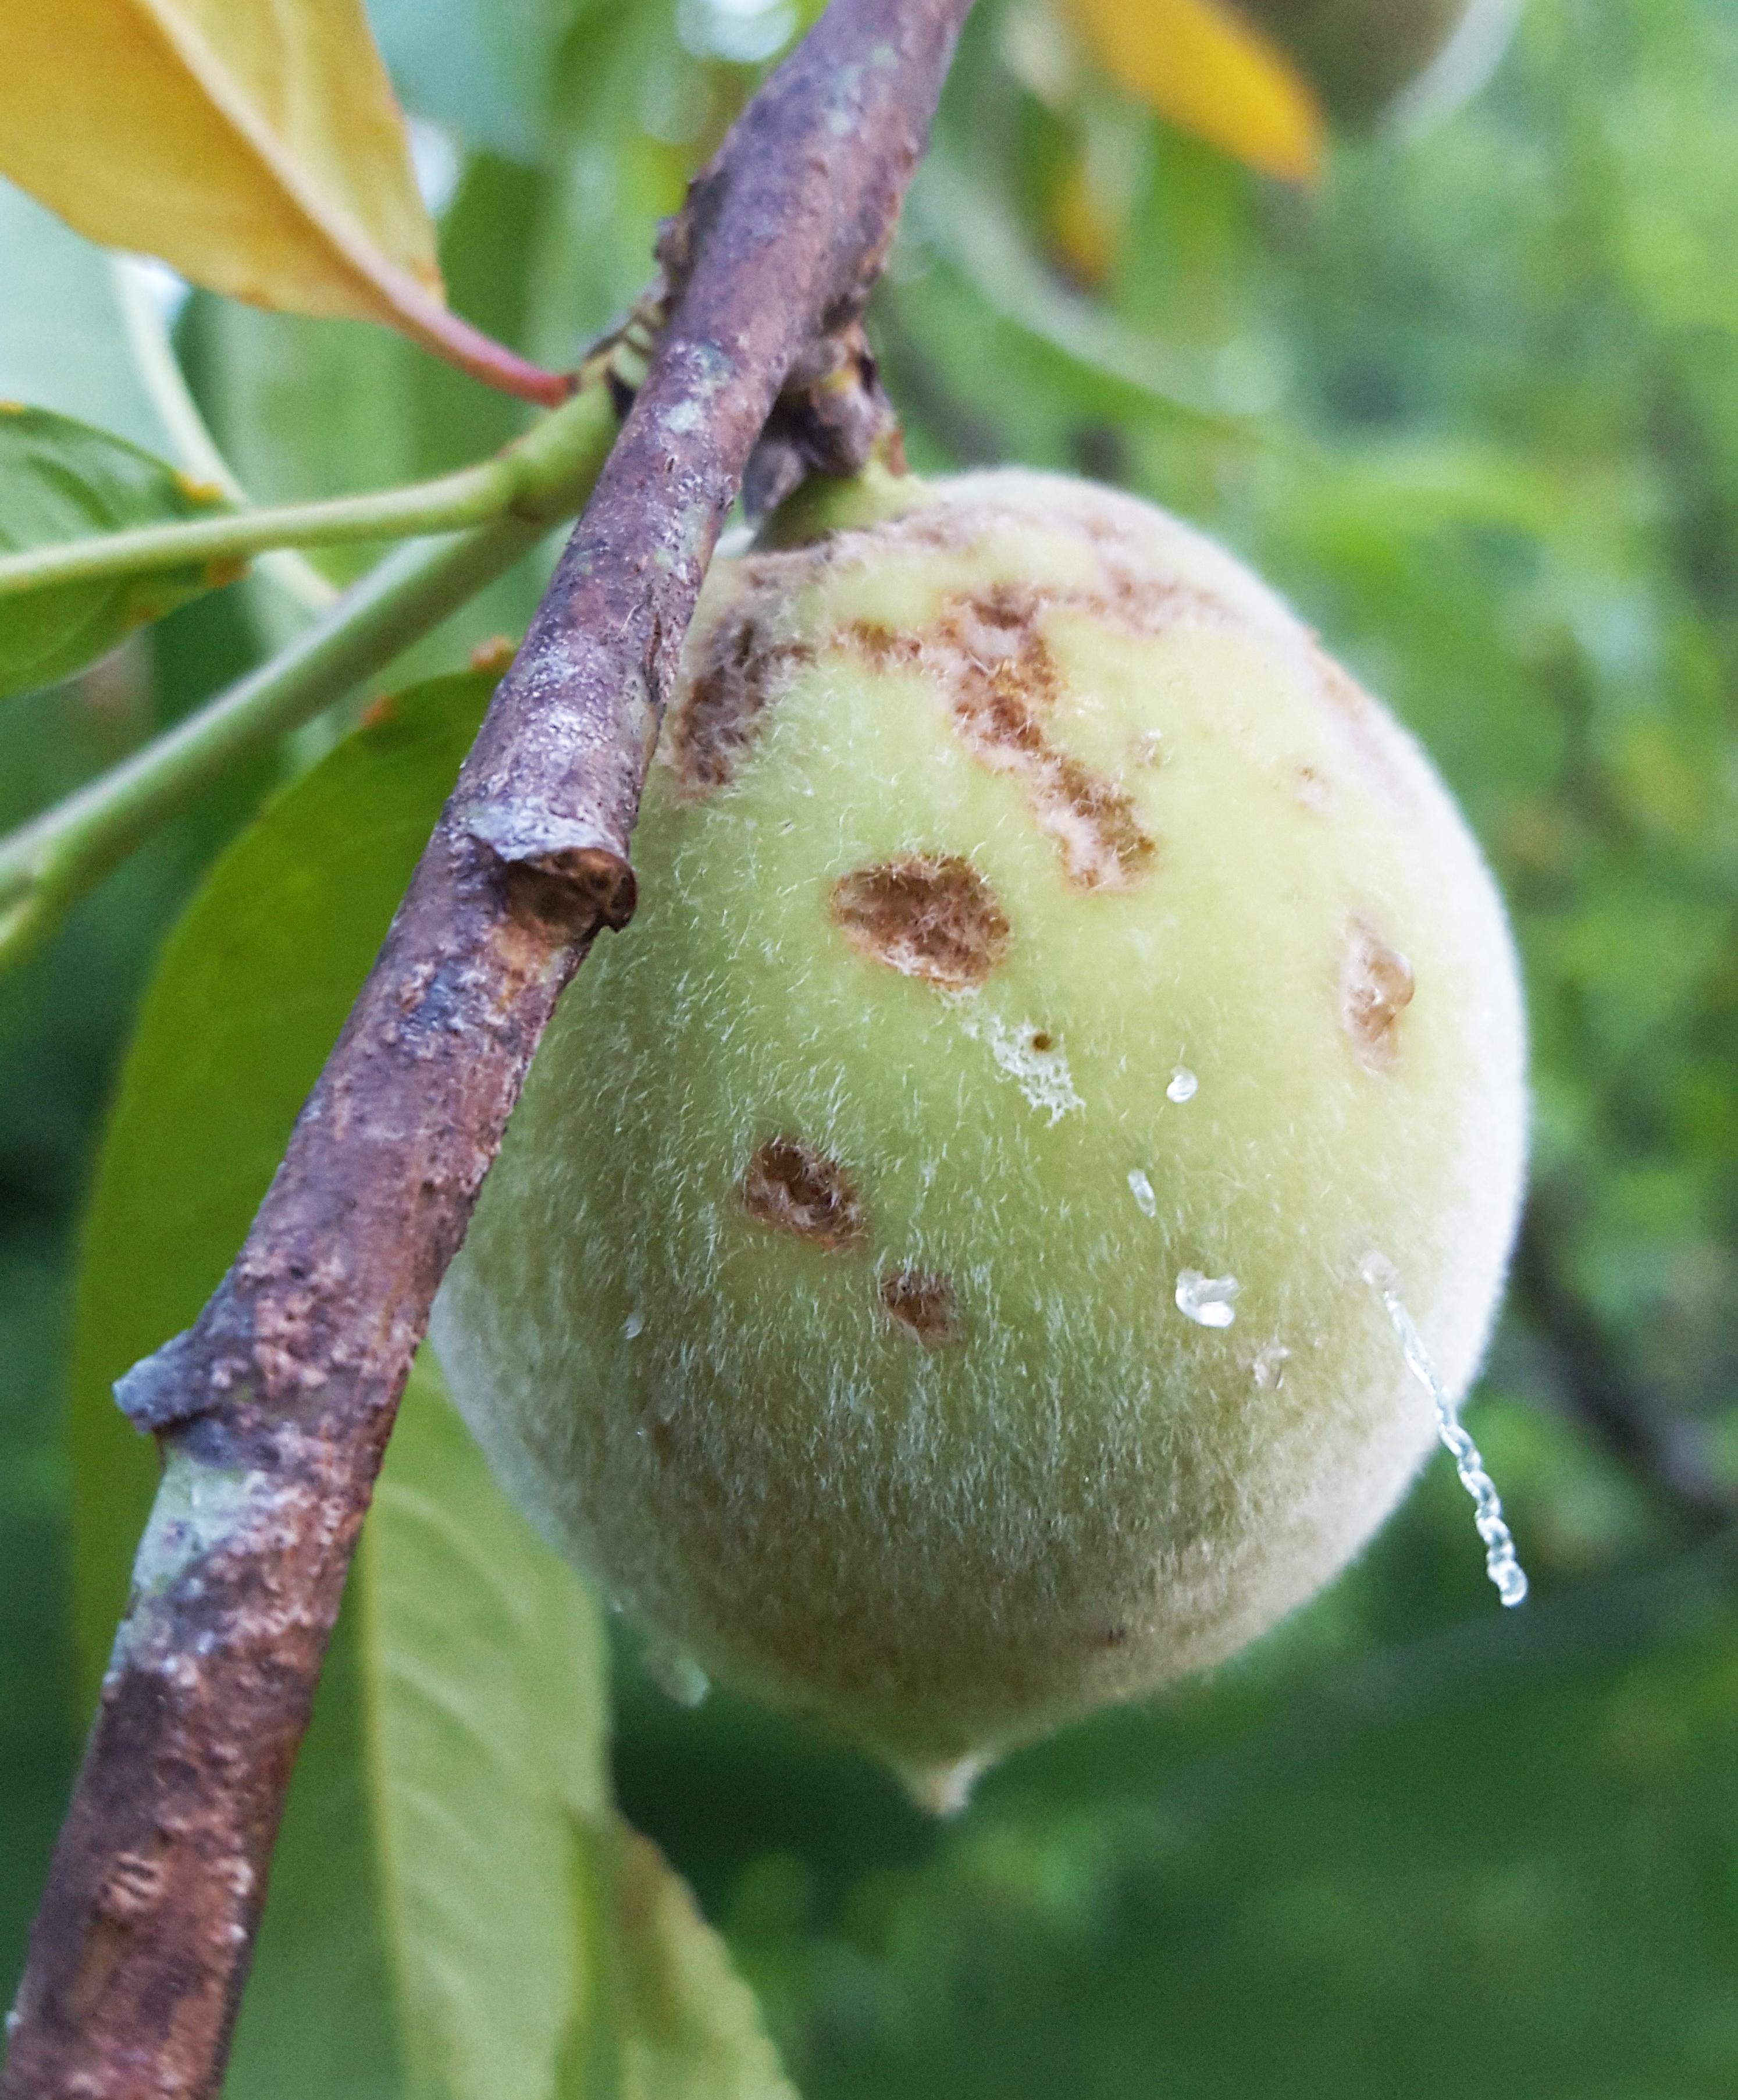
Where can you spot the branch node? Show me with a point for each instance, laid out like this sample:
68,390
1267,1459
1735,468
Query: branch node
832,416
157,1392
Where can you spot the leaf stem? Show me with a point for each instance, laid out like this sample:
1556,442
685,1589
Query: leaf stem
448,503
190,437
49,863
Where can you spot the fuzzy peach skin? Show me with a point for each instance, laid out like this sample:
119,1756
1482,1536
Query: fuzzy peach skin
844,1298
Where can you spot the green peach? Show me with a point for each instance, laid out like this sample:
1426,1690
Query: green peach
1365,57
923,1279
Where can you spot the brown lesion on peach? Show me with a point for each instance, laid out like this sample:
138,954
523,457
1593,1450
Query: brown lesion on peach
985,648
921,1304
791,1187
883,647
1376,986
1004,680
928,916
740,665
984,645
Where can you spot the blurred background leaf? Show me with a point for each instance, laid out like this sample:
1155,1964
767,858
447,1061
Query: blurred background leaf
1469,400
62,342
1211,70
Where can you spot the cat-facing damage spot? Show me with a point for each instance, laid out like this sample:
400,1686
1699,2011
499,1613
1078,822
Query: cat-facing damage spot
928,916
790,1187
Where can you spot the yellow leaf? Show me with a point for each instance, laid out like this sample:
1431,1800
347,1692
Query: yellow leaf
1206,70
254,144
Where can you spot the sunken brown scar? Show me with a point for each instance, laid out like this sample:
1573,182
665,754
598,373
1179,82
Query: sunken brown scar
922,1304
795,1189
987,650
928,916
1376,986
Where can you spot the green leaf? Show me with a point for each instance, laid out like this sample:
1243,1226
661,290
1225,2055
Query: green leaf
61,480
63,340
484,67
661,2014
689,2027
422,1937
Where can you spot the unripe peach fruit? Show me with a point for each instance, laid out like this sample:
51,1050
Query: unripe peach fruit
1360,55
924,1280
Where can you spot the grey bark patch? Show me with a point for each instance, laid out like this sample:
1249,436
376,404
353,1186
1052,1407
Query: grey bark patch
794,1188
1376,986
928,916
922,1305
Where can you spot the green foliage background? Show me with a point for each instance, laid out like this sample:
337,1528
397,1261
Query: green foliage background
1475,405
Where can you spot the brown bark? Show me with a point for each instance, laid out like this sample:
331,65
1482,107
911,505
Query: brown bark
274,1408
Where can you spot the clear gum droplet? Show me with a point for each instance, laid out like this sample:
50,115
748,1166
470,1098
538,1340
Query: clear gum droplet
1207,1299
1182,1085
675,1672
1141,1190
1268,1369
1501,1564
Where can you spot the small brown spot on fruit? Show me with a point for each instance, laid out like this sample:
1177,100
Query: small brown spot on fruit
1112,1637
1376,986
790,1187
922,1303
1312,788
882,646
1042,1040
928,916
736,669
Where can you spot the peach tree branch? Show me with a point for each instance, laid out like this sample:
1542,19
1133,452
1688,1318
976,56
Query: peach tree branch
273,1410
